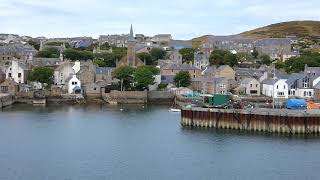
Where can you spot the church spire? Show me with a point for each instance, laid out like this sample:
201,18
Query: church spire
131,37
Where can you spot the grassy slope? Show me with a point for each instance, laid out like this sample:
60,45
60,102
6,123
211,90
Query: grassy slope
301,29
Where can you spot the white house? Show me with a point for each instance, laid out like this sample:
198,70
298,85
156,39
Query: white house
74,85
275,88
62,73
18,72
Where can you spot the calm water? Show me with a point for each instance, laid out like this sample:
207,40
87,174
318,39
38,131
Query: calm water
80,143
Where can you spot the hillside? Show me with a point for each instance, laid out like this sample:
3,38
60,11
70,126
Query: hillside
301,29
197,41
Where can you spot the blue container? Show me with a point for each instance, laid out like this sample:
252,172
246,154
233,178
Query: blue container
296,104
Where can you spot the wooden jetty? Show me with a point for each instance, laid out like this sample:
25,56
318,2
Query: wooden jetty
263,120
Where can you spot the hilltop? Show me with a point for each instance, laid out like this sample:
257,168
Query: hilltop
301,29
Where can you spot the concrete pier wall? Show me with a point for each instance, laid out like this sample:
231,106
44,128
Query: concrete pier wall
294,122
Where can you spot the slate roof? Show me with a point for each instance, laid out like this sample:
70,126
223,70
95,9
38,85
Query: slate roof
104,70
183,67
270,81
247,80
200,56
17,48
293,77
218,80
167,79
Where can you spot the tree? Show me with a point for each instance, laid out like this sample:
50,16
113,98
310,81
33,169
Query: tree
182,79
255,53
35,44
297,64
144,56
105,60
222,57
187,54
125,75
157,53
144,76
74,54
265,59
119,53
49,52
42,75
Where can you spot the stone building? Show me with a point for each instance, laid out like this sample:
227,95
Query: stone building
9,86
250,86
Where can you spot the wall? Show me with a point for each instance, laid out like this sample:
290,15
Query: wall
160,97
126,97
5,100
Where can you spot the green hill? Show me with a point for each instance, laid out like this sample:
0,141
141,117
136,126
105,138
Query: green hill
301,29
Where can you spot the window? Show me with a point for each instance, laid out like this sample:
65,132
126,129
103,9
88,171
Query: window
4,89
95,89
280,93
256,85
284,87
277,87
310,93
304,93
19,75
250,85
9,75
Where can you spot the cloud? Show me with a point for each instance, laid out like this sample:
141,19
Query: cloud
183,19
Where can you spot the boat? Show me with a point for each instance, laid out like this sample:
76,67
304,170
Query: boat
175,110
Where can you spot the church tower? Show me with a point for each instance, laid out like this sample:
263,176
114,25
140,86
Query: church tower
131,52
131,58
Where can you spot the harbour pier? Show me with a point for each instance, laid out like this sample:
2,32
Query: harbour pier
262,120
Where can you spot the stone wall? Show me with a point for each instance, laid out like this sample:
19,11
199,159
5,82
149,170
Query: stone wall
5,100
126,97
160,97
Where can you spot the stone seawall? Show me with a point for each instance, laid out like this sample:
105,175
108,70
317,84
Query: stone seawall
126,97
6,100
160,97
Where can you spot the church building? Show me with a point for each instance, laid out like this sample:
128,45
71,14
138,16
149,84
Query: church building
131,59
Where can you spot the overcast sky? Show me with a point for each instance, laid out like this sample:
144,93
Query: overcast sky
184,19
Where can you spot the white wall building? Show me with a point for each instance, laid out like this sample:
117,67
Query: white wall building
18,72
275,88
74,85
63,72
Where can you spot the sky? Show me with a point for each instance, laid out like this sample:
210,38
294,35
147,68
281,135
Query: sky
184,19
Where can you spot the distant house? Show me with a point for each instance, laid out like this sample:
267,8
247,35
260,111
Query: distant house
105,74
243,73
274,47
250,86
9,86
275,88
208,85
175,69
201,61
18,72
225,71
63,72
46,62
74,85
174,58
17,51
87,72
